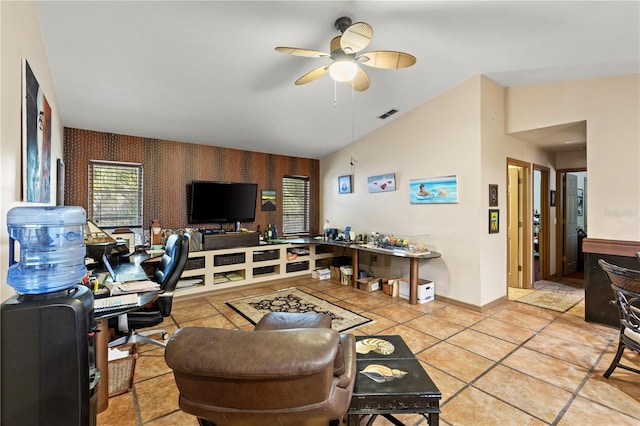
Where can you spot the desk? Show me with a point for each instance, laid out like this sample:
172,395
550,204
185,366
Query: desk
102,344
414,259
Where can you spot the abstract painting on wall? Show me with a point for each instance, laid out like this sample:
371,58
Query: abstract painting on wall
382,183
36,139
268,202
435,190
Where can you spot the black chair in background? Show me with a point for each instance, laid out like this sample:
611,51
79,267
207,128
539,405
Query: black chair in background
626,288
167,275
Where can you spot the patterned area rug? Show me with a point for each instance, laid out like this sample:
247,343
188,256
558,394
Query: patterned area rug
294,300
571,282
554,296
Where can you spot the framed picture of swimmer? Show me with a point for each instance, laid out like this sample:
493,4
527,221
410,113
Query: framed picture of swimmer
435,190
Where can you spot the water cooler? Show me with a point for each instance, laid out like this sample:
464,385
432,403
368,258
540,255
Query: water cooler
48,346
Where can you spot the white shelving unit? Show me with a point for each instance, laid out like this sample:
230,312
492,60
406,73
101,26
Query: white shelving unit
235,267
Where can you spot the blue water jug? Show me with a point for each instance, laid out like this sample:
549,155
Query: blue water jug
52,249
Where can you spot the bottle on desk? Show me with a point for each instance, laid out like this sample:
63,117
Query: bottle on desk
269,231
274,232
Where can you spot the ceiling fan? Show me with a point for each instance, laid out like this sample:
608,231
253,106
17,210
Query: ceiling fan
344,54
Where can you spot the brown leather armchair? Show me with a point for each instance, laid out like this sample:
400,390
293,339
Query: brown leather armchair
293,369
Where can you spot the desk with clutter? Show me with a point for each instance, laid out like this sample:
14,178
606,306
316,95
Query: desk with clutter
414,248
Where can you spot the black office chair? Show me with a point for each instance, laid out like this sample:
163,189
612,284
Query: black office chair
626,288
167,275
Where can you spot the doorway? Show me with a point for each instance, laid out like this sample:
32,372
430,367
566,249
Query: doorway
572,223
541,224
519,224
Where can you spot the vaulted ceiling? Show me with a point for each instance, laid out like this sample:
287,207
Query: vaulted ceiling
206,72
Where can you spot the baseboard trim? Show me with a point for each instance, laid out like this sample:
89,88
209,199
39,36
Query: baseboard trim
472,307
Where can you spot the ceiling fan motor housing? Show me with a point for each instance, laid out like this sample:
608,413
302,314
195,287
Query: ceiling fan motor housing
336,51
342,24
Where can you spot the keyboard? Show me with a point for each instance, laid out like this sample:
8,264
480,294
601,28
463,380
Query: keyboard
130,276
115,302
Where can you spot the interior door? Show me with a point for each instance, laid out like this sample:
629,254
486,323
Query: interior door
513,237
570,207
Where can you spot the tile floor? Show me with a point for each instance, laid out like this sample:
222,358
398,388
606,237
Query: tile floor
513,365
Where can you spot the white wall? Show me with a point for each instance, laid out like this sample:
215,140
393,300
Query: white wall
611,107
20,37
465,131
459,132
441,137
497,146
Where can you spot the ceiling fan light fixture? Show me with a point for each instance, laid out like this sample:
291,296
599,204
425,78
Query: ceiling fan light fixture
343,70
346,54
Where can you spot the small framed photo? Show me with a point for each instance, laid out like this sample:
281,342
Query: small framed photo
493,195
580,210
345,184
494,221
552,198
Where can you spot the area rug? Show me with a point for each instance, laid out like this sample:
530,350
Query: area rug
295,300
554,296
571,282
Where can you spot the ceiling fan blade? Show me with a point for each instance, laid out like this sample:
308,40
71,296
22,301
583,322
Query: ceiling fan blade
296,51
356,37
361,81
313,75
387,59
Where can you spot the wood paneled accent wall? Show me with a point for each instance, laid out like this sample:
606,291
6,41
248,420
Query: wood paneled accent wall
169,167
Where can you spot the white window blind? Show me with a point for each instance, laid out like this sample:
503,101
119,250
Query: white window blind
115,194
295,205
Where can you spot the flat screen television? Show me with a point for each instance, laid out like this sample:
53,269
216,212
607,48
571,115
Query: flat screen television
222,202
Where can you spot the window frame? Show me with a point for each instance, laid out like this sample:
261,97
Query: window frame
133,221
296,220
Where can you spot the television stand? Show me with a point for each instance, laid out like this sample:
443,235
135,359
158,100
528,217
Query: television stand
213,231
230,240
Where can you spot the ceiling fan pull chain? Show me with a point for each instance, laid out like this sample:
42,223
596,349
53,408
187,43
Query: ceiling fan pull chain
335,94
353,159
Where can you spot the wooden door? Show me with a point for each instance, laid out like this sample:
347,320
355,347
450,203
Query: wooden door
513,229
570,209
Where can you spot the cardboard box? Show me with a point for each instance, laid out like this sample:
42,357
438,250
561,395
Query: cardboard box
392,287
335,272
426,290
321,274
369,284
346,275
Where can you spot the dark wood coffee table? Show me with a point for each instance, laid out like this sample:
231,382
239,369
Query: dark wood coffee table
413,393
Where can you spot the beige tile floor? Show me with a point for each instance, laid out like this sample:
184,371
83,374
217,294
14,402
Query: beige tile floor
515,364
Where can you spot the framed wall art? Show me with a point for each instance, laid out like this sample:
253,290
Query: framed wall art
494,221
435,190
60,179
36,139
345,184
268,201
552,198
580,209
493,195
382,183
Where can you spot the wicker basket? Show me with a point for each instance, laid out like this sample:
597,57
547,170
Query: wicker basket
121,371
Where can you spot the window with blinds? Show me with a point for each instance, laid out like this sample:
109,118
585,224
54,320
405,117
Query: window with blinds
115,194
295,205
